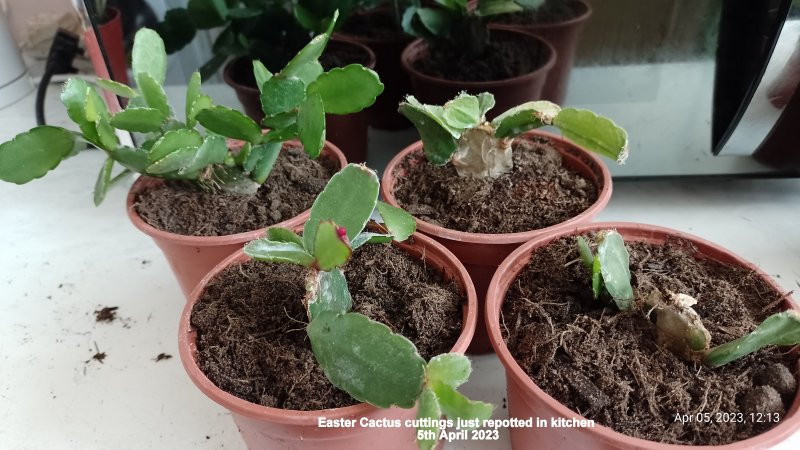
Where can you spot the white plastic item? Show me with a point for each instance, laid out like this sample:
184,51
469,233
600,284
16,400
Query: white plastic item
14,80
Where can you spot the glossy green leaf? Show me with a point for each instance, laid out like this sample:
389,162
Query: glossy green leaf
493,7
782,328
311,125
597,278
615,267
438,143
230,123
400,223
261,73
330,294
278,252
103,181
463,111
331,247
116,88
366,360
311,52
148,56
485,103
201,103
269,153
346,90
207,13
524,117
436,21
174,140
282,120
348,200
593,132
173,162
456,406
32,154
142,120
214,150
73,96
135,159
154,94
193,92
366,237
452,369
308,72
284,134
428,408
587,258
279,94
279,234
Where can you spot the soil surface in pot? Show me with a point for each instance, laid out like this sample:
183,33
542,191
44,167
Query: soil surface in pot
340,54
251,324
606,364
376,24
182,208
553,11
506,56
537,193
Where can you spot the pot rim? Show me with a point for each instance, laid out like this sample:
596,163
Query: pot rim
548,25
329,149
187,348
603,197
227,71
406,57
496,297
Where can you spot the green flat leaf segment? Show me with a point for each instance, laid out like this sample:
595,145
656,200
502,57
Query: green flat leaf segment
456,406
280,234
117,88
366,237
347,200
331,248
346,90
615,268
778,329
329,294
149,56
32,154
230,123
593,132
524,117
399,223
174,140
428,407
278,252
452,369
143,120
365,359
311,124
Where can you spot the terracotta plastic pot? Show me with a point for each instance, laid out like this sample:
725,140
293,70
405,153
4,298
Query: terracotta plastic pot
383,114
563,36
507,93
526,399
191,257
271,428
348,132
481,253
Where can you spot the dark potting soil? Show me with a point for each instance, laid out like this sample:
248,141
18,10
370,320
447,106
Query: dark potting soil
250,323
606,364
506,56
340,54
552,11
537,193
377,24
182,208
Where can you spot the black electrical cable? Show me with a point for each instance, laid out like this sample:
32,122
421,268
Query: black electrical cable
59,60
